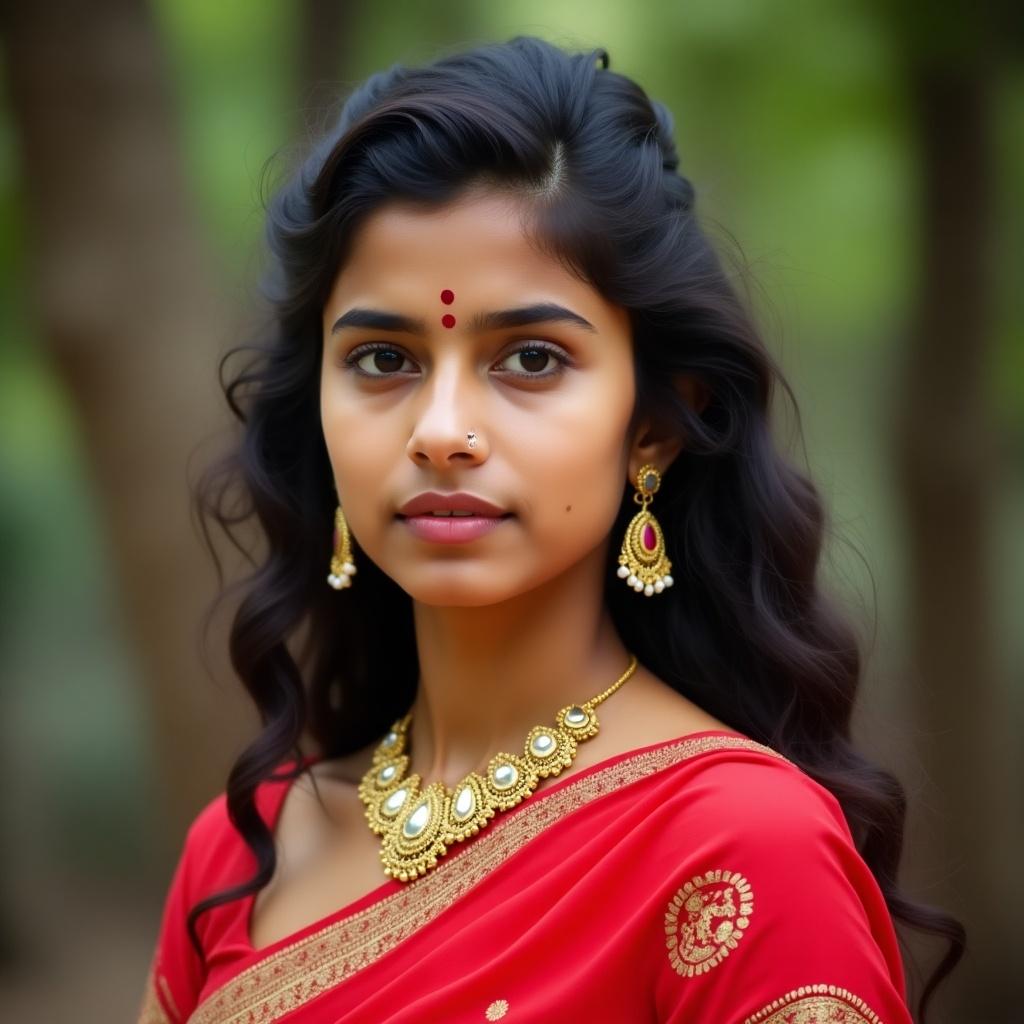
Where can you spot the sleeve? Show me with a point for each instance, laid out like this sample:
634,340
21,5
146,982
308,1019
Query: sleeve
176,972
770,914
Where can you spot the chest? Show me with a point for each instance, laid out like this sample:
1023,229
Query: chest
327,860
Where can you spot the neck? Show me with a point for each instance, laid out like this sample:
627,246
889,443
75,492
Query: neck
490,674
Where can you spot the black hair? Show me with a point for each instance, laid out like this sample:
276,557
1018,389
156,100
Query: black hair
746,633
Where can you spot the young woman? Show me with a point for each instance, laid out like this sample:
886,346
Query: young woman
579,710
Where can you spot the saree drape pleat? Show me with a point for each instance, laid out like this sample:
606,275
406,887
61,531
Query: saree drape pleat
702,879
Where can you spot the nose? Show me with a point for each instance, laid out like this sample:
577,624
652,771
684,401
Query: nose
447,412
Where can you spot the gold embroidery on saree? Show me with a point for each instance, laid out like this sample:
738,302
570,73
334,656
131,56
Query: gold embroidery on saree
294,975
816,1004
706,919
151,1011
168,996
497,1009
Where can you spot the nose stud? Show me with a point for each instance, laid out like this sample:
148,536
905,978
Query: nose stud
471,438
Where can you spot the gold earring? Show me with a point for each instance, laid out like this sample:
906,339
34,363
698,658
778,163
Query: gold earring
342,566
643,563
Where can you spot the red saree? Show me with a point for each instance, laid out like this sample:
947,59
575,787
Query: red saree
705,880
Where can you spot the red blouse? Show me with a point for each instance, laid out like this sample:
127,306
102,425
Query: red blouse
702,879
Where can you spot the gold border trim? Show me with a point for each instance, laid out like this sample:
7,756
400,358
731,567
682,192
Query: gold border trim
292,976
151,1010
816,1004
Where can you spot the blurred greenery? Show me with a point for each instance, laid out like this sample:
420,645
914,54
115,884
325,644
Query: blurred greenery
233,67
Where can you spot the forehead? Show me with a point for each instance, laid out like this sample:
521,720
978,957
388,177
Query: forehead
472,223
476,247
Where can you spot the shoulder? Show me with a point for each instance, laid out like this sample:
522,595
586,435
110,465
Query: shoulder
212,856
210,824
766,902
214,850
746,810
744,788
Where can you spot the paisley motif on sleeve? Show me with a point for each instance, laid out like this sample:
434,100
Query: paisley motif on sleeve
705,920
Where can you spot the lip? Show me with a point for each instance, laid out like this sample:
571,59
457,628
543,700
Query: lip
459,501
415,514
451,529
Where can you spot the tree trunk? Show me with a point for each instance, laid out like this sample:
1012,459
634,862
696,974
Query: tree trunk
947,463
129,313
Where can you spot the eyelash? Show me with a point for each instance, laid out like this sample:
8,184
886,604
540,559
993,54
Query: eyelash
562,361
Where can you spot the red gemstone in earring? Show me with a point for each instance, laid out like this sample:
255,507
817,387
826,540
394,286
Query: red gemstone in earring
448,320
648,537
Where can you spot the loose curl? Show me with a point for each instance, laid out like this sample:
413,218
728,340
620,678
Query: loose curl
747,634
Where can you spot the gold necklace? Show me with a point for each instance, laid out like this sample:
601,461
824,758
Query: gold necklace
419,827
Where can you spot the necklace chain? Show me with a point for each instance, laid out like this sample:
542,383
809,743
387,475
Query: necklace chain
418,826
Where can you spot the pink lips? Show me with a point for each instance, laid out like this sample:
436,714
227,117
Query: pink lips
435,501
452,529
416,514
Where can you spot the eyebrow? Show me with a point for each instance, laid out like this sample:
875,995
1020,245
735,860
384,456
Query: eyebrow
541,312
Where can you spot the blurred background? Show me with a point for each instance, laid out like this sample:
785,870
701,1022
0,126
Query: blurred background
863,161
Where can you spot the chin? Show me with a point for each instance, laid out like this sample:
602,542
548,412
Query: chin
458,597
453,586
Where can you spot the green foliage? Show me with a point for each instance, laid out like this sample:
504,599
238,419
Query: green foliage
233,68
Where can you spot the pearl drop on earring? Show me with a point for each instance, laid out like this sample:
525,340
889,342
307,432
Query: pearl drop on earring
342,567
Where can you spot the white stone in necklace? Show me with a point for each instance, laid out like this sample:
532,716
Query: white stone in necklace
419,826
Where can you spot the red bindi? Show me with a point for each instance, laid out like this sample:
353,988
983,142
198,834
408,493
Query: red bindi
448,320
447,296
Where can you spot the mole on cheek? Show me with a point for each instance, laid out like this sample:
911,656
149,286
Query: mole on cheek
568,508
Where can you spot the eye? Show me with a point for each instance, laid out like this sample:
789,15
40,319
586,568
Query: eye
382,360
534,355
380,356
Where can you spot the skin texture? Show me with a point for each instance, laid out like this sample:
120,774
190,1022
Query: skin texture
510,627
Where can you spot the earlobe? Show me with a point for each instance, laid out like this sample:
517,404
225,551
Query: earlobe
654,446
654,442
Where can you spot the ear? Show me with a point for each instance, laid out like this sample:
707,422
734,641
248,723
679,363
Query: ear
657,444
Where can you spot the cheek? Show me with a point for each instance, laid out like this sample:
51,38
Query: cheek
575,470
577,507
359,456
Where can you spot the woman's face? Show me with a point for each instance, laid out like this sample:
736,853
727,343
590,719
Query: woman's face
549,401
